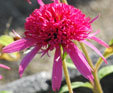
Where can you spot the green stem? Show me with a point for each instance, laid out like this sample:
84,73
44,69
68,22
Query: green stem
65,1
66,71
67,77
86,55
98,63
96,86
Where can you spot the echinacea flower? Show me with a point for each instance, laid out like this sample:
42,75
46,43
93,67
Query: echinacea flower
5,67
54,25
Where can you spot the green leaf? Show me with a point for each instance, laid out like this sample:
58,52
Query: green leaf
76,85
6,92
70,63
105,71
6,40
111,42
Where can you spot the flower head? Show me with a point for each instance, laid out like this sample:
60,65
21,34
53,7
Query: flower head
53,25
57,23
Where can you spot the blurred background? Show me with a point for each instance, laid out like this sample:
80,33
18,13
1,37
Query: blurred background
12,16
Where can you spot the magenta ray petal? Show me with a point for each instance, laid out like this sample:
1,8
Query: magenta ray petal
1,77
95,49
94,19
26,60
40,2
93,34
57,70
100,41
80,61
18,45
4,66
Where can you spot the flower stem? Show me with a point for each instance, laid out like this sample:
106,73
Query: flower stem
96,86
67,77
66,71
65,1
86,55
99,62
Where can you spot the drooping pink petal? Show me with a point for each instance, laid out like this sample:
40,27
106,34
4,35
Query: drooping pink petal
4,66
93,34
94,19
40,2
1,77
95,49
26,60
80,61
57,70
100,41
18,45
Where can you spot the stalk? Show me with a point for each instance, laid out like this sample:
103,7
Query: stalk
87,56
67,77
66,72
96,86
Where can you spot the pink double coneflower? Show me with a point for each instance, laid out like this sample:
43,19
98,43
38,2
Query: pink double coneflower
5,67
54,25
